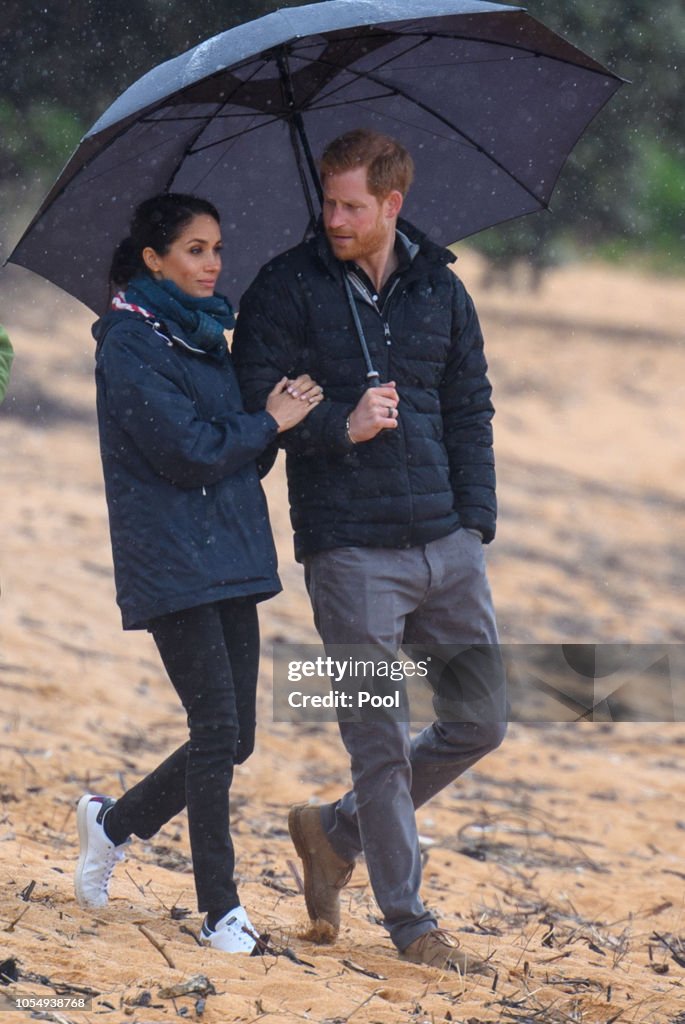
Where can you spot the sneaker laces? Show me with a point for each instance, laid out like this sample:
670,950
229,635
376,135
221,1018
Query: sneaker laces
113,856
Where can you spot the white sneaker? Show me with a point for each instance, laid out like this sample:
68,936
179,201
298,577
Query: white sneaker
98,856
234,933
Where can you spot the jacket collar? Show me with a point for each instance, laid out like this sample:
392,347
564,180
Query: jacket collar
423,253
171,332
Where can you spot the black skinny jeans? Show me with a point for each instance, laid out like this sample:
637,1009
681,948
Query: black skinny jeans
211,654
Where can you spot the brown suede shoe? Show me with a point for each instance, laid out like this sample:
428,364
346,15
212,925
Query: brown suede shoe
437,948
325,873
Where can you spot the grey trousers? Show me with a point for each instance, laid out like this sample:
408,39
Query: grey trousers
436,594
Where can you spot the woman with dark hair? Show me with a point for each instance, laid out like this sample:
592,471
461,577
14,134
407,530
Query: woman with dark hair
191,540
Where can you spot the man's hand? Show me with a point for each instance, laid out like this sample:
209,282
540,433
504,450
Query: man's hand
375,411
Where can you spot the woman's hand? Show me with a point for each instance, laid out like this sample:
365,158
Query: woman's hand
305,388
290,401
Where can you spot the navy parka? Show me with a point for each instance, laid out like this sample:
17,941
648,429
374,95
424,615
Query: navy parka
188,517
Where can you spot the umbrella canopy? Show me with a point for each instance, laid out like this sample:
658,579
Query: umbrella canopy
488,101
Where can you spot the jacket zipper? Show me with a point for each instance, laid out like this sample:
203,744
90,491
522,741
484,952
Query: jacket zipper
371,301
170,338
387,334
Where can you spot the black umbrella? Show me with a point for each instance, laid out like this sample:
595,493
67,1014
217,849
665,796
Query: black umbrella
488,101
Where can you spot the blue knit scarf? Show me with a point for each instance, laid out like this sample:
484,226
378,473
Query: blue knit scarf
203,321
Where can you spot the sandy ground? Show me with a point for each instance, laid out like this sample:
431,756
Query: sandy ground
560,856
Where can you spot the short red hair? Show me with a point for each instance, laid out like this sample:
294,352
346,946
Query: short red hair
389,167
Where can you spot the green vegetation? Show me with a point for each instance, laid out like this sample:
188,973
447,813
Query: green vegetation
44,134
621,194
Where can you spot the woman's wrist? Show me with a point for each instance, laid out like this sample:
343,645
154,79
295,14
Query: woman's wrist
274,420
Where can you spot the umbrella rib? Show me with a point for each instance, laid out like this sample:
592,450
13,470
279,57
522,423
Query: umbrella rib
378,67
176,118
347,103
222,153
167,142
149,119
469,63
119,134
524,55
408,124
599,70
339,88
398,91
410,49
189,146
236,135
121,163
186,152
468,142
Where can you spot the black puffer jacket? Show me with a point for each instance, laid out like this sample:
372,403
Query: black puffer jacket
187,514
406,486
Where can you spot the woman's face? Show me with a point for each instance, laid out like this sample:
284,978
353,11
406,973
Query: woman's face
193,260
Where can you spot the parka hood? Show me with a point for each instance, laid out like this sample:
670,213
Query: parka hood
101,327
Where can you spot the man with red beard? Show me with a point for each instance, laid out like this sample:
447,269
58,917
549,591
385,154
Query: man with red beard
392,493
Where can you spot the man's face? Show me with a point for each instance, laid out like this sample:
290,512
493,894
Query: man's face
357,224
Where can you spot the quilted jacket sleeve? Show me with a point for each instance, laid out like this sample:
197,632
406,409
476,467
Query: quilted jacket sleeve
467,411
267,345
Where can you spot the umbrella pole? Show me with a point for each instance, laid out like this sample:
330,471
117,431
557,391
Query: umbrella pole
296,122
373,377
309,156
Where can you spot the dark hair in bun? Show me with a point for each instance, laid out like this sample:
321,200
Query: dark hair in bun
157,223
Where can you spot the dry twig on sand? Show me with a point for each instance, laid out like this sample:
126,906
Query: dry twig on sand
156,943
